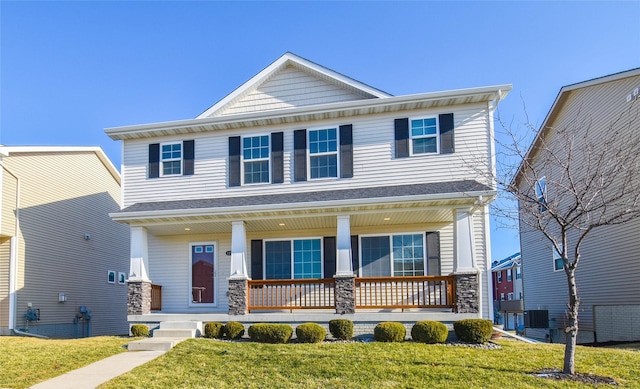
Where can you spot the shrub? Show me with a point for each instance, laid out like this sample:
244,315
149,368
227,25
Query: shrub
429,331
270,333
389,331
341,328
213,330
473,330
233,330
139,330
310,333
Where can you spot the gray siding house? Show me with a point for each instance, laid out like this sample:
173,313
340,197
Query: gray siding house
609,269
307,195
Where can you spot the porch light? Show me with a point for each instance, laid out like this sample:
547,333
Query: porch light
386,219
281,224
187,229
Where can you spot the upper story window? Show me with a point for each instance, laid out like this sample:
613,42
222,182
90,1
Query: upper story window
499,276
171,158
323,153
557,260
424,135
541,193
255,153
509,276
518,273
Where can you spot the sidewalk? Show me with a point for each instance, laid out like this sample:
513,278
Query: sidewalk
90,376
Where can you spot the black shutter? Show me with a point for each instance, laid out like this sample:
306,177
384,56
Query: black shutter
433,253
402,137
256,260
355,257
300,155
154,160
329,246
346,151
277,158
234,161
189,156
446,133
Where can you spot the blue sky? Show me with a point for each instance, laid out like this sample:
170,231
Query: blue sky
70,69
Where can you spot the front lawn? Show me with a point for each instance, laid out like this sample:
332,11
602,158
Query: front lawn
28,361
203,363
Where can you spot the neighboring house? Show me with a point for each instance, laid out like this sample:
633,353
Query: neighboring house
59,250
306,191
507,291
607,277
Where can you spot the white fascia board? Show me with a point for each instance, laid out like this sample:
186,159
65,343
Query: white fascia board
300,207
496,92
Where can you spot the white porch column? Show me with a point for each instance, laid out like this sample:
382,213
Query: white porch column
139,262
238,250
344,266
464,259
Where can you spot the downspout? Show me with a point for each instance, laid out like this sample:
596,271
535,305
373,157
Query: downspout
13,257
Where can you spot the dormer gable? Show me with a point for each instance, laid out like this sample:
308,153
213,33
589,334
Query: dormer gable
291,81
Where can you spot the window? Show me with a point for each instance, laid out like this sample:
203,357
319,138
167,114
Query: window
557,260
501,296
509,276
509,296
518,273
541,193
255,153
405,253
424,135
301,258
171,158
323,153
500,276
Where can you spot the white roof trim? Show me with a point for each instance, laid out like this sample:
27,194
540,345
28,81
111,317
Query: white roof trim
282,62
7,150
289,115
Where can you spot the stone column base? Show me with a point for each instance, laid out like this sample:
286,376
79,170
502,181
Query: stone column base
238,296
467,286
345,294
139,297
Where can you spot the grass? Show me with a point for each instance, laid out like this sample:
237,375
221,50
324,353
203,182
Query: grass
27,361
203,363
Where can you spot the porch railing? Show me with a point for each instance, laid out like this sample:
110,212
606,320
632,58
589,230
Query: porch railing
371,292
317,293
405,292
156,297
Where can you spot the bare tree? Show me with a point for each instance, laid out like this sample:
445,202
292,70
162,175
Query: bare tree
570,182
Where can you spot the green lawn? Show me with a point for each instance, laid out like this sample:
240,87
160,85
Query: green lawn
27,361
202,363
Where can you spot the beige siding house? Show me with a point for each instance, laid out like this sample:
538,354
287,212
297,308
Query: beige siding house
58,246
609,269
307,195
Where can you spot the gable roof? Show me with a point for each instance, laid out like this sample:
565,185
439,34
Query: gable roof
356,88
508,262
6,151
558,104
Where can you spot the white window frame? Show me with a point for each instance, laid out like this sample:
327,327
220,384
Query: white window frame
319,154
216,259
436,135
499,276
510,296
509,275
242,160
390,236
264,255
501,296
541,193
518,273
556,255
162,160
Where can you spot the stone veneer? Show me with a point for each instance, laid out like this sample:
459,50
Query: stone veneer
467,292
238,296
345,294
139,298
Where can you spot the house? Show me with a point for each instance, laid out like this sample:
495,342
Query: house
507,291
307,195
607,277
63,261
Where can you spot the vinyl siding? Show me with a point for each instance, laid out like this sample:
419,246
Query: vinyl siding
374,163
5,247
65,195
608,270
8,197
289,87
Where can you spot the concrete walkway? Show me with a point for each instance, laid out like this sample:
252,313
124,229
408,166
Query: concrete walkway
97,373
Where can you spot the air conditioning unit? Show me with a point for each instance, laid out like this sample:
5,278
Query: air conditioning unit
536,318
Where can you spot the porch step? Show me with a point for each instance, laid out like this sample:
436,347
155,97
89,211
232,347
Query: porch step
154,344
175,333
181,325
